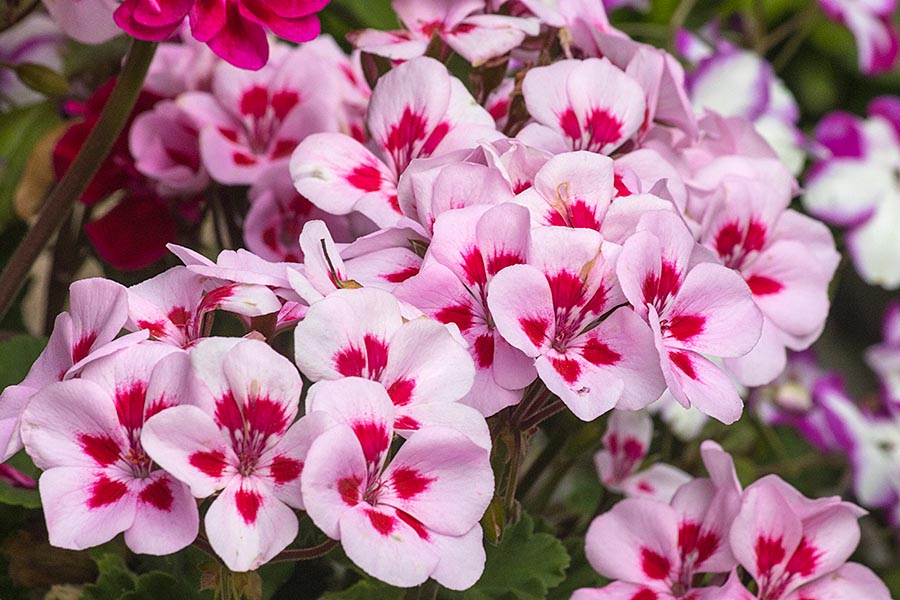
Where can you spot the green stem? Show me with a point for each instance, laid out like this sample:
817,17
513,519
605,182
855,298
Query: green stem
86,164
544,413
544,460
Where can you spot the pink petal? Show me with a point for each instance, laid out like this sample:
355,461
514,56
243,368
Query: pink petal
461,558
852,580
283,464
247,526
165,519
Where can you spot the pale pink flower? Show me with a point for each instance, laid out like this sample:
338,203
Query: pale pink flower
402,523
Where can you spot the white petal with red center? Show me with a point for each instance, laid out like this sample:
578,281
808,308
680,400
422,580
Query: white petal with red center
765,533
851,580
335,172
427,364
186,442
482,37
441,478
264,384
789,287
461,558
407,109
705,518
579,186
522,305
546,95
85,507
384,269
386,546
165,305
625,444
249,300
636,541
174,382
439,293
282,465
713,313
364,406
73,423
334,479
657,482
247,526
230,162
347,334
165,518
420,16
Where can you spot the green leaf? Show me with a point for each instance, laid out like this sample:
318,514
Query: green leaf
114,580
366,589
42,79
524,566
16,357
157,585
20,130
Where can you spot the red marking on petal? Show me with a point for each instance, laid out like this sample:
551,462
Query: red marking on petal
105,491
501,260
600,354
179,316
406,423
383,524
646,594
685,327
567,289
769,552
366,178
401,391
265,416
284,102
484,351
350,362
727,239
409,483
568,368
804,560
499,109
348,488
654,565
684,363
403,135
248,503
228,414
621,188
211,463
583,216
658,288
102,448
229,134
285,469
645,487
535,329
283,148
460,315
130,405
243,159
521,186
157,329
604,128
756,236
158,495
473,266
83,347
417,525
376,355
437,136
763,286
633,449
255,102
568,122
401,276
158,405
690,540
374,439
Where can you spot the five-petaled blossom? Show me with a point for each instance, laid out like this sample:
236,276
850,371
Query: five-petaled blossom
413,519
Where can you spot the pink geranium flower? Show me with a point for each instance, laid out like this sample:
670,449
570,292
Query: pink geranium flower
415,518
86,435
244,444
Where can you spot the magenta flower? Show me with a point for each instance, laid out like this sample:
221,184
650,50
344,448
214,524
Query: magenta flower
86,435
872,24
413,519
243,444
233,29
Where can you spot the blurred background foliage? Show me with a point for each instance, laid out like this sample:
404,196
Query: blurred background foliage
818,63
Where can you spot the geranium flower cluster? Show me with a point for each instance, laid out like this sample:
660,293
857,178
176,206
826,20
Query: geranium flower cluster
792,547
589,230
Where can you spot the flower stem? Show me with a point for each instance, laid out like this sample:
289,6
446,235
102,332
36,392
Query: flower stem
96,148
295,554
